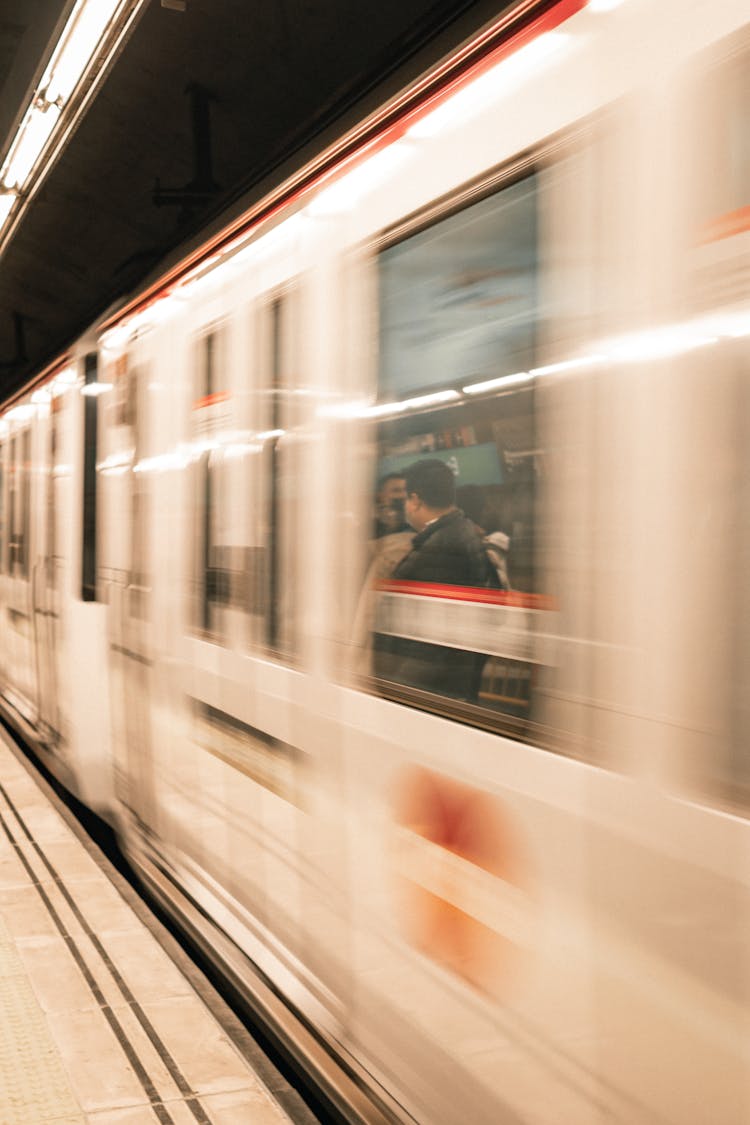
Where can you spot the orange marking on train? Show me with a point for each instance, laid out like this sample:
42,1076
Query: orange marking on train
461,927
210,400
725,226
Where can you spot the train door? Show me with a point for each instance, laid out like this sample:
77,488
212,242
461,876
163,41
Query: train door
22,689
239,784
127,569
46,579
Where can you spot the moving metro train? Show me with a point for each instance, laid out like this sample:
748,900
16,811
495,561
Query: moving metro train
530,904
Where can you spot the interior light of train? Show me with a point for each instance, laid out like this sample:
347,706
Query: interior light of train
83,32
734,325
238,450
267,435
497,384
254,247
603,5
116,339
20,413
575,364
116,462
507,75
41,396
95,389
29,144
162,462
382,410
343,410
656,343
63,381
344,193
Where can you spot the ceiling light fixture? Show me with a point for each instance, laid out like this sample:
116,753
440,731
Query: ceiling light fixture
87,43
83,33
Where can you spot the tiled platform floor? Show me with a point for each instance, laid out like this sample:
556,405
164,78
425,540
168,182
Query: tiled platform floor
98,1024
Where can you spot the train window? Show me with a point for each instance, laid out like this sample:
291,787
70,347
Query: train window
19,490
90,440
140,578
12,503
212,570
453,619
276,578
51,513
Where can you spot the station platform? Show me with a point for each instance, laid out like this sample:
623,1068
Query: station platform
103,1018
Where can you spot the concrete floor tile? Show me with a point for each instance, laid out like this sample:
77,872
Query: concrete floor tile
99,1072
146,968
45,825
57,981
72,862
103,908
206,1057
24,914
142,1115
242,1107
12,872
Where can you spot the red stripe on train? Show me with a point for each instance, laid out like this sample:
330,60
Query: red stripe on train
478,594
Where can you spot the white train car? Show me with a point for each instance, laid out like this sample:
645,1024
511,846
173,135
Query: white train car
528,901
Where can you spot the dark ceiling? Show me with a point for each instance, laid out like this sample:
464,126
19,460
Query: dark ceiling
278,75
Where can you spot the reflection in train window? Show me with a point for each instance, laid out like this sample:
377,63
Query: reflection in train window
458,309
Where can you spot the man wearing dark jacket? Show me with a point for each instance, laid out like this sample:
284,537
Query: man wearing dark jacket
446,550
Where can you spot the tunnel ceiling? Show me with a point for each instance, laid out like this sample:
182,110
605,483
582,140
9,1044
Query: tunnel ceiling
276,76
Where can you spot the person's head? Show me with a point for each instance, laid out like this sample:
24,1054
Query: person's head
390,498
391,487
430,491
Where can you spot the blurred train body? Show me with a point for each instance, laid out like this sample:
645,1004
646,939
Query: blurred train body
527,905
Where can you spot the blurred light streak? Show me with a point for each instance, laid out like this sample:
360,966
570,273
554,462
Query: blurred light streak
604,5
507,76
93,390
497,384
344,193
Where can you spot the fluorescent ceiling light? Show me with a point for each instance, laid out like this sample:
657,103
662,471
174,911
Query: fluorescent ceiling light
29,145
496,384
7,201
83,33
